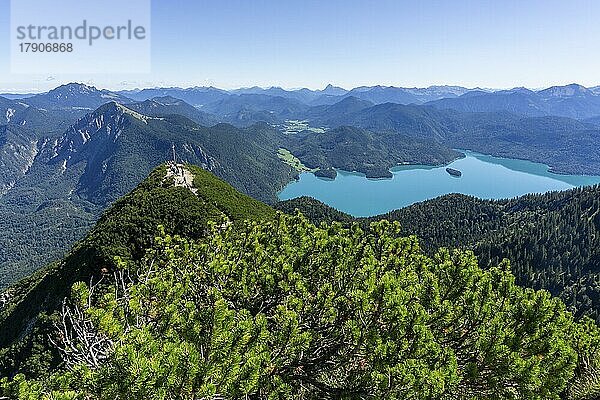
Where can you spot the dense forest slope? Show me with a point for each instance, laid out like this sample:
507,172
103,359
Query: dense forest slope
167,105
567,145
230,300
374,154
552,240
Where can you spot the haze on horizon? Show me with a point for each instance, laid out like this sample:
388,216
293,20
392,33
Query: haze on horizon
352,43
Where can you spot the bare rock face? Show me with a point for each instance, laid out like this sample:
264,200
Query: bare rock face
182,177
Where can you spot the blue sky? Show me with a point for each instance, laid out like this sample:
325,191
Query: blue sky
308,43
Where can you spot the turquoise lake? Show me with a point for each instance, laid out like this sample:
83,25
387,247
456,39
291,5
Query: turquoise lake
483,176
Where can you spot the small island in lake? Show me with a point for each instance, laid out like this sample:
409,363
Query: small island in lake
454,172
327,173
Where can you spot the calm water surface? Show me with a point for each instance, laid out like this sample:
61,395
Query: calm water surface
483,176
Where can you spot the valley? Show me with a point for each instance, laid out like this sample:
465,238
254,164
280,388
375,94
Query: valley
300,200
69,153
86,193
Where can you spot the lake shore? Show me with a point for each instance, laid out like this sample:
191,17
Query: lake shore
483,176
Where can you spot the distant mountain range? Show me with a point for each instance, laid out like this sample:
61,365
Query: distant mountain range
201,96
196,96
74,95
573,101
67,154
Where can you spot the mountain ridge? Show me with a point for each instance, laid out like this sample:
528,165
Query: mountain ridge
124,231
65,179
